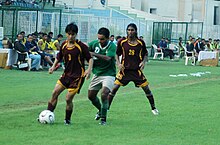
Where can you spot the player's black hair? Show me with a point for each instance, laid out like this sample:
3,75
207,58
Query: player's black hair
71,28
104,31
133,26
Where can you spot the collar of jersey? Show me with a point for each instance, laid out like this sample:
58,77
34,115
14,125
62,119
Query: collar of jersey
105,46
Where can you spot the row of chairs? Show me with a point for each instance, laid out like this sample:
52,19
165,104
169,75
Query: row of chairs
188,55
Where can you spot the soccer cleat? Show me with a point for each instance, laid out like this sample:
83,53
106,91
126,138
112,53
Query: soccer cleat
103,121
67,122
155,112
97,116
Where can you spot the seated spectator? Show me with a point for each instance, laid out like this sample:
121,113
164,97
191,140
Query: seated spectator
44,47
24,39
33,44
35,58
6,43
163,46
56,45
181,48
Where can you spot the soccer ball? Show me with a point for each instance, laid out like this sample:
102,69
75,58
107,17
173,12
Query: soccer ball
46,117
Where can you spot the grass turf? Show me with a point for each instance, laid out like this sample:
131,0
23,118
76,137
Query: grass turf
189,110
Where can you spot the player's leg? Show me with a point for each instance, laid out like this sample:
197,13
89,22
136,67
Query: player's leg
150,97
69,106
92,95
93,90
111,95
104,99
107,85
53,101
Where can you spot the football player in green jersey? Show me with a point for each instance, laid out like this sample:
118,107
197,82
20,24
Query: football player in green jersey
103,52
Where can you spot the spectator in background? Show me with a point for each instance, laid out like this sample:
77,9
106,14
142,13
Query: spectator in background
56,44
24,39
181,48
44,47
112,39
118,38
197,45
33,54
50,34
163,45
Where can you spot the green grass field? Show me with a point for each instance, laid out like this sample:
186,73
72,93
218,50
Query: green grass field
189,110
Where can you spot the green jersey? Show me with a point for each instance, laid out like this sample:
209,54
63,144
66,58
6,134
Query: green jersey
102,67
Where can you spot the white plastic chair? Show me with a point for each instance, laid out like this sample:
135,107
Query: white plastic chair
156,52
191,57
23,60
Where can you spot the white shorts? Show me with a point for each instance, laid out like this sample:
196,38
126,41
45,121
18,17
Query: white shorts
98,82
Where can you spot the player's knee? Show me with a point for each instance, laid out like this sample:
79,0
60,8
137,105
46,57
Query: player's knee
105,93
115,89
69,100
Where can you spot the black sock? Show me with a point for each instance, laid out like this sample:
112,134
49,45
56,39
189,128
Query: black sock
50,107
96,103
151,101
104,109
68,115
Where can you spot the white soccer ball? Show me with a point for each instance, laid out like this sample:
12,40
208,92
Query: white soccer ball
46,117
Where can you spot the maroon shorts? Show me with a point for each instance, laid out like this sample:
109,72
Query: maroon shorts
136,76
72,84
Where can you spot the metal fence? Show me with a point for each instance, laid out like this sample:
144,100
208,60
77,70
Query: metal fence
15,20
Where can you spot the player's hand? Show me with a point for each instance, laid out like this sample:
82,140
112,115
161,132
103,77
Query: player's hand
121,67
51,70
141,65
87,74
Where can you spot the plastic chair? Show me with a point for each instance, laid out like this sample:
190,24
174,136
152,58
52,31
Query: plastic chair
157,52
189,55
23,61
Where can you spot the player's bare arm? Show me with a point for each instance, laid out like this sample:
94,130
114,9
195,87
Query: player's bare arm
142,64
118,63
89,69
100,56
52,68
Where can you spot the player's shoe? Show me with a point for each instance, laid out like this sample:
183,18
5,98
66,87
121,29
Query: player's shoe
155,111
97,116
103,121
67,122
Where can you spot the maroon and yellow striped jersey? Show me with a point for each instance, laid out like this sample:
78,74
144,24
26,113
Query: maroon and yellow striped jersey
74,58
132,55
